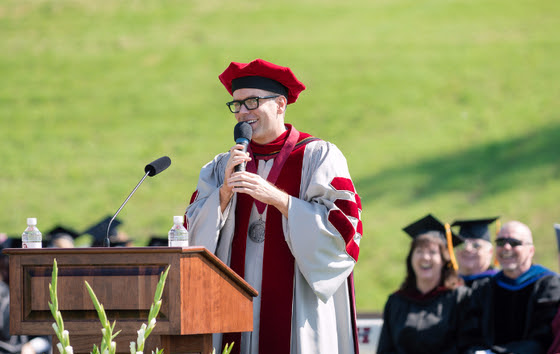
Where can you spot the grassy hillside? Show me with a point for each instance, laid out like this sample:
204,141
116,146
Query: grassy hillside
449,107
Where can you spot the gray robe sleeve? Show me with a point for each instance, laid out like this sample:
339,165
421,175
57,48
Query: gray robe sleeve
317,244
207,225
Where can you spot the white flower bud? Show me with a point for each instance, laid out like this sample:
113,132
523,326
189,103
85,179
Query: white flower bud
140,339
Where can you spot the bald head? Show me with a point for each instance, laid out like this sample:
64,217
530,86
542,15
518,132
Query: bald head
518,230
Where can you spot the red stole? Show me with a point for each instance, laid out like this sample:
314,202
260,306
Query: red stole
278,265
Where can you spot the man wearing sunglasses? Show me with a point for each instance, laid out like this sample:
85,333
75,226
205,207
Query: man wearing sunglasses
518,304
289,225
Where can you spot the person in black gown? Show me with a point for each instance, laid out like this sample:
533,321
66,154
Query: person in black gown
516,306
426,314
475,253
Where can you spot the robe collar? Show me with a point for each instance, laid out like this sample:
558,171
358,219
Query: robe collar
270,150
485,274
529,277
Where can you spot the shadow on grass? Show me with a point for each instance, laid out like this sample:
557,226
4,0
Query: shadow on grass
478,171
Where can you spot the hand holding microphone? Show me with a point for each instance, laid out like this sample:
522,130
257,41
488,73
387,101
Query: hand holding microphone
242,134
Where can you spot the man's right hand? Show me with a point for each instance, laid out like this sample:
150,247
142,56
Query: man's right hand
236,157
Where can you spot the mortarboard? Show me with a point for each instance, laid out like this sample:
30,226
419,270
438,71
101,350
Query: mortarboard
61,236
60,231
430,223
99,230
11,242
120,243
262,74
476,228
158,241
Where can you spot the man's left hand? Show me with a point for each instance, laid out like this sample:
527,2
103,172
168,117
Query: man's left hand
260,189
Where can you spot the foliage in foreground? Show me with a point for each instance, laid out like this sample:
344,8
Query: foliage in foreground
108,345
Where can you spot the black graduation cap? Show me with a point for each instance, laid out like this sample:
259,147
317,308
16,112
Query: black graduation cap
99,230
61,231
11,242
430,223
58,233
158,241
120,243
476,228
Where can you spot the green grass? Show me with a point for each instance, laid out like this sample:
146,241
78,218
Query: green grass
441,106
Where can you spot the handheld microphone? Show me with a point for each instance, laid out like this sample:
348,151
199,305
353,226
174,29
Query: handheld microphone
242,134
151,169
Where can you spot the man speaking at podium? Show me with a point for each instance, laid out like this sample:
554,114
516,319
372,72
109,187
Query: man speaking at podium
288,223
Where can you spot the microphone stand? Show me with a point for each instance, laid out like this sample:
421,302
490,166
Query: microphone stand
106,242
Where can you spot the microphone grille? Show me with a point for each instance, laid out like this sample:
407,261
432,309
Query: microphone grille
242,130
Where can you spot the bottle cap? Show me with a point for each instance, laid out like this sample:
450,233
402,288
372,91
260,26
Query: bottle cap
178,219
32,221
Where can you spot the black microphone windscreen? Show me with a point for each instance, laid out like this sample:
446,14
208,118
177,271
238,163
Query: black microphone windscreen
157,166
242,130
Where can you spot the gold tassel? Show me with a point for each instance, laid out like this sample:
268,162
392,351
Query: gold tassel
450,246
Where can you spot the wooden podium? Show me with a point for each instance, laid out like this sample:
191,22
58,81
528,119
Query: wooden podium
201,296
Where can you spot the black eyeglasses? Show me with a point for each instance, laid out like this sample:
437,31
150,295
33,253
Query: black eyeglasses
249,103
502,241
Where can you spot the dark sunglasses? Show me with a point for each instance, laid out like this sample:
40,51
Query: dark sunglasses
501,242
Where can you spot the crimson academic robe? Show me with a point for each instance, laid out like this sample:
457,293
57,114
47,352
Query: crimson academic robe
311,255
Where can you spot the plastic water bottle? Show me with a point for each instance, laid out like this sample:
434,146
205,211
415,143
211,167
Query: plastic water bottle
31,237
178,235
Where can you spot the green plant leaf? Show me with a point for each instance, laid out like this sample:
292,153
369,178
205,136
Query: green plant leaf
107,343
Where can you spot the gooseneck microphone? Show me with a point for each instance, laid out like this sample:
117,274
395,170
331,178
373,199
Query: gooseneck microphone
157,166
242,134
151,169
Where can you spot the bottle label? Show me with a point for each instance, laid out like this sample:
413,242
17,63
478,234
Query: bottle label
179,244
31,239
178,236
32,245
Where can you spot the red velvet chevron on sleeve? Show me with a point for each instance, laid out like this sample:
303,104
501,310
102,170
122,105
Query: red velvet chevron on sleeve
193,196
339,218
